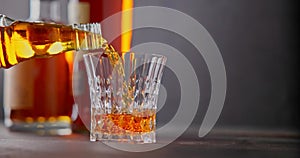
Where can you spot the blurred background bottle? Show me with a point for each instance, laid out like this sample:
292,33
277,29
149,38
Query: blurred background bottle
99,10
89,11
38,93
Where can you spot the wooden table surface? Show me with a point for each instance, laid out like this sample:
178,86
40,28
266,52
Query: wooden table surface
216,144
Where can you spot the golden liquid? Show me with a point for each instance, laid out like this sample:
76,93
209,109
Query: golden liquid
117,64
24,40
120,123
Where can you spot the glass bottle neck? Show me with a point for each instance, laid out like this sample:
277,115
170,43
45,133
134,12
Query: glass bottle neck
47,10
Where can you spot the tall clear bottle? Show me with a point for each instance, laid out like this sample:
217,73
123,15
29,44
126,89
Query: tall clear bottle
38,92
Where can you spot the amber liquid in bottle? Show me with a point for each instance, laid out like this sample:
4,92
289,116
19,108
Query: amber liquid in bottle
25,40
44,84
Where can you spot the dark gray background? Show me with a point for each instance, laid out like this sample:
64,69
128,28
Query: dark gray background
258,41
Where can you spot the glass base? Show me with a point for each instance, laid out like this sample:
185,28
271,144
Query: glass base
45,128
138,138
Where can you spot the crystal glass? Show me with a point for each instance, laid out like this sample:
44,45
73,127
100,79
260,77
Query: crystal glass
124,96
